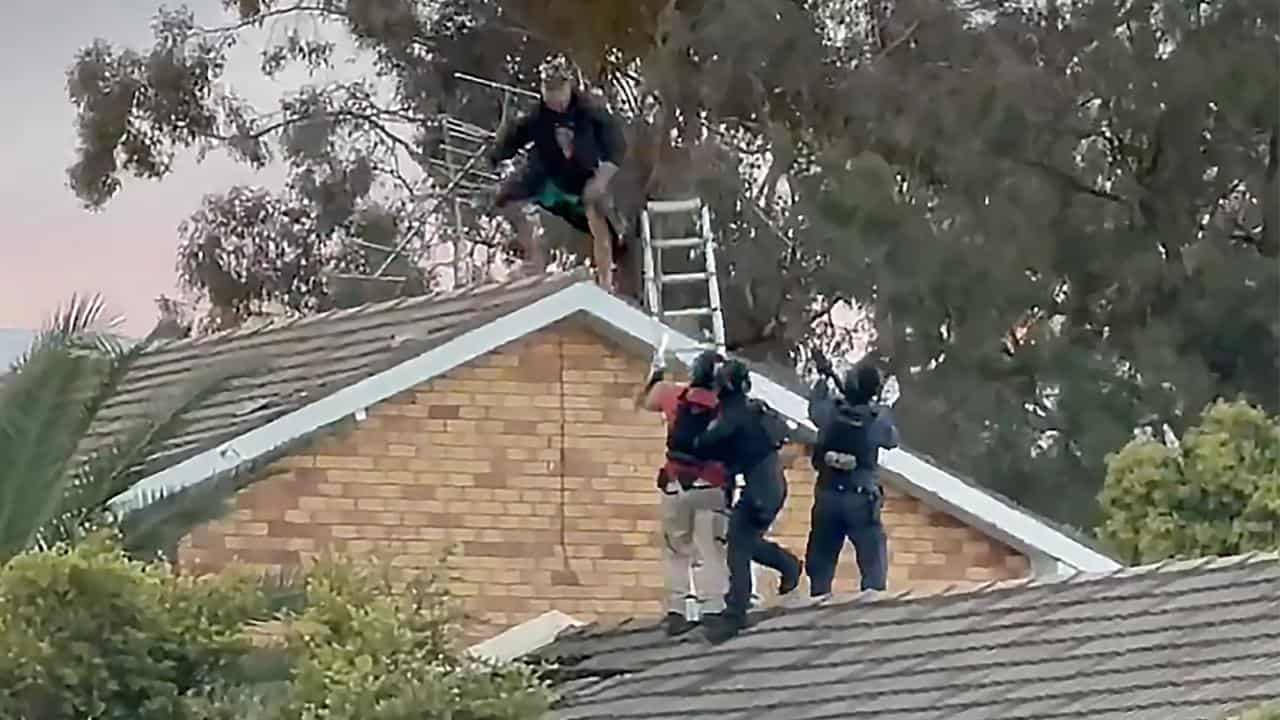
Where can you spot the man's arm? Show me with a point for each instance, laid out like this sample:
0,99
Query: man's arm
820,403
721,429
613,143
612,146
654,396
886,429
511,139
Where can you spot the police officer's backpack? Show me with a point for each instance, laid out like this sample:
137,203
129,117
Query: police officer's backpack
776,426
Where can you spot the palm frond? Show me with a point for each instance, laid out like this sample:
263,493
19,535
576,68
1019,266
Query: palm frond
78,325
54,485
116,466
163,518
41,422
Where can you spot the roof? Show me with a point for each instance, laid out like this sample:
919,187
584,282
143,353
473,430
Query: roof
1187,639
292,363
331,367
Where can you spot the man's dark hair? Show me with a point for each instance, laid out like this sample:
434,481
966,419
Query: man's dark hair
702,371
862,383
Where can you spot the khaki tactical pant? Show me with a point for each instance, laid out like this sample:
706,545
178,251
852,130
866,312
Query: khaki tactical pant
694,525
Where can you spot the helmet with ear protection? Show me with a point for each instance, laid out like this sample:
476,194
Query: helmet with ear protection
862,382
702,371
734,378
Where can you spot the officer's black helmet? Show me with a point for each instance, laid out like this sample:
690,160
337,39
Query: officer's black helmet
702,371
862,382
733,378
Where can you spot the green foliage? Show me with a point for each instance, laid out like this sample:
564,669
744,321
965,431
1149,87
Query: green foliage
87,632
59,472
1218,493
369,655
46,408
1264,712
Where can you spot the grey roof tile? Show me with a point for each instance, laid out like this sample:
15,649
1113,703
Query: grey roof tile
1174,641
289,364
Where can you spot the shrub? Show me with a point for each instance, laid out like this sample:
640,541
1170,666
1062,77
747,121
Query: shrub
85,632
1216,493
365,653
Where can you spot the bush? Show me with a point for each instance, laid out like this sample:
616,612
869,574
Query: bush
365,653
1262,712
86,632
1217,493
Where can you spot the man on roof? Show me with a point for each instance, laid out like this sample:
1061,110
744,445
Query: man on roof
747,437
694,502
847,499
577,149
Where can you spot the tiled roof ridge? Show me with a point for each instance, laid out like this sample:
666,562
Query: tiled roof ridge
369,308
1170,566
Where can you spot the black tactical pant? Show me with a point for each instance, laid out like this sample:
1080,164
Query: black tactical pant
846,512
761,501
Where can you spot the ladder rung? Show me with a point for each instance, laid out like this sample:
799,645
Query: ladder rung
679,242
674,206
687,312
682,277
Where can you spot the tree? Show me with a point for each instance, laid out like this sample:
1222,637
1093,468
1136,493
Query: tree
58,475
1217,492
1062,220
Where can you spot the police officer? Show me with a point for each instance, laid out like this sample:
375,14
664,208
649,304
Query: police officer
847,499
746,437
694,512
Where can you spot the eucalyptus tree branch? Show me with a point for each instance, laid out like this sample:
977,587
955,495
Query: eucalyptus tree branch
258,18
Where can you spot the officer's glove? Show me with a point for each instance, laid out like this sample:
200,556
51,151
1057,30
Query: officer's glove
658,367
840,461
655,376
822,363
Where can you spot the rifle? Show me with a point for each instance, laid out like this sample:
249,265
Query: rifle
823,366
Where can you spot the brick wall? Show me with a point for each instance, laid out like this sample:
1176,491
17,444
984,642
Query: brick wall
474,461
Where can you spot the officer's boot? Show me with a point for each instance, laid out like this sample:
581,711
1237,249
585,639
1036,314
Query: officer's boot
675,624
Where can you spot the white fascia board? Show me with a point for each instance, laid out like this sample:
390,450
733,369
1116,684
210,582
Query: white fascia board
354,399
992,514
526,638
1019,525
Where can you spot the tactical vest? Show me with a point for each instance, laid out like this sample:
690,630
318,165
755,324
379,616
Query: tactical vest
846,445
696,408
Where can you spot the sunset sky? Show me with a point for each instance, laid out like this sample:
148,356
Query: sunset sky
50,247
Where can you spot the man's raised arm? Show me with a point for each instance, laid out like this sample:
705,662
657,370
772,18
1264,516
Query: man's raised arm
510,139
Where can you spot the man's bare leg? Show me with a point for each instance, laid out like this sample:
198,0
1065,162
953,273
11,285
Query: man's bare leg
533,255
602,246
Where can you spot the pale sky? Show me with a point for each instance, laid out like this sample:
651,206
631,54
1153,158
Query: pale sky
50,247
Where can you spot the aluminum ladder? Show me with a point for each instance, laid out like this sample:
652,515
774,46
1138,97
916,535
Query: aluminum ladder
656,280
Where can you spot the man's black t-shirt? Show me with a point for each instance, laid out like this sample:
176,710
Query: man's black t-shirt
568,146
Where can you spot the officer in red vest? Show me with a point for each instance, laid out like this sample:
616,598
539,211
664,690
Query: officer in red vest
694,500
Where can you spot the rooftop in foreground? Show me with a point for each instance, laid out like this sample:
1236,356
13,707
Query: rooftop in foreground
1174,641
